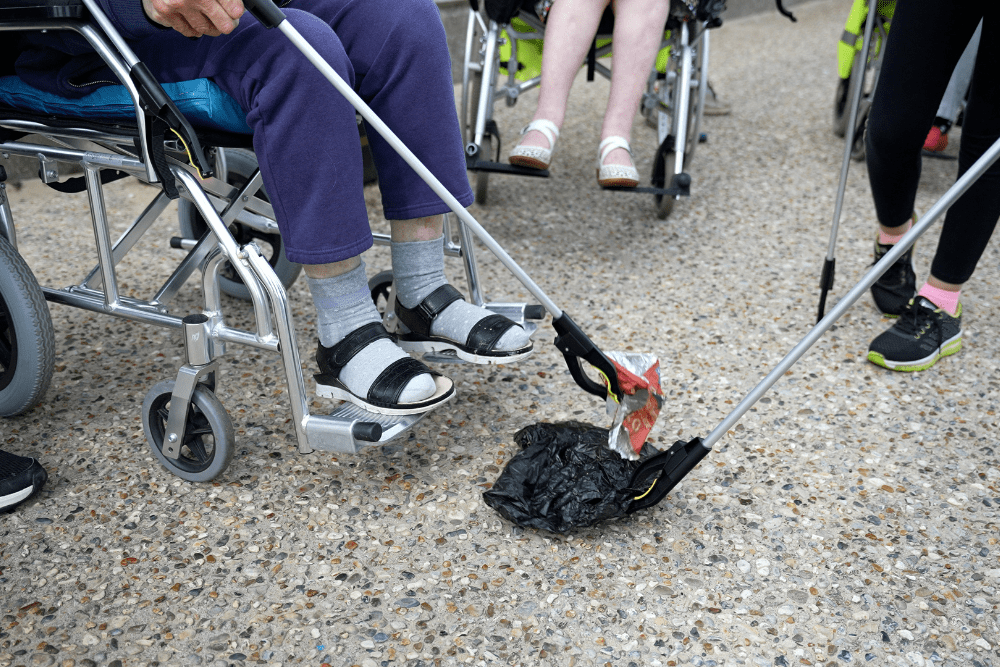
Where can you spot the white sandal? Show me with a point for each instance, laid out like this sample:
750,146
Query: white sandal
615,175
535,157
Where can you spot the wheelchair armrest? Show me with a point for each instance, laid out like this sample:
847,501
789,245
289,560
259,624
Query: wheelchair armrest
36,10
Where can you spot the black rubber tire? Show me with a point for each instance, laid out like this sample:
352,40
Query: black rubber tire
241,164
840,99
664,203
379,285
27,341
206,417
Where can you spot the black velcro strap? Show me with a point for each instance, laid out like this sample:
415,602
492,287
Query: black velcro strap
333,359
487,332
79,184
391,382
159,129
419,319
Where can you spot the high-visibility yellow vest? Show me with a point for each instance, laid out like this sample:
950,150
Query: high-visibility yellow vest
853,38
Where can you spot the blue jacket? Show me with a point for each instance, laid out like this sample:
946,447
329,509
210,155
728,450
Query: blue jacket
63,63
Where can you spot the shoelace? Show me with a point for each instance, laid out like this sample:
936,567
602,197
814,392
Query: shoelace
910,321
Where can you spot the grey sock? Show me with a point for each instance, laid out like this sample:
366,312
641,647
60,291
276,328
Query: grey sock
343,304
418,270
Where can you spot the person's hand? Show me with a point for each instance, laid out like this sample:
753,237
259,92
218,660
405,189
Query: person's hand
194,18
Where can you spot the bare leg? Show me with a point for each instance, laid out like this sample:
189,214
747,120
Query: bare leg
638,32
418,229
569,32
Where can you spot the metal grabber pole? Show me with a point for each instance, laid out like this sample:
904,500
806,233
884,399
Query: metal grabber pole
571,341
861,61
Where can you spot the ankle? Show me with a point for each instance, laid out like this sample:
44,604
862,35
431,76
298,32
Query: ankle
896,233
947,300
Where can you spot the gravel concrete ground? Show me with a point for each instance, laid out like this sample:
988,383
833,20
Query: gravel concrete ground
850,518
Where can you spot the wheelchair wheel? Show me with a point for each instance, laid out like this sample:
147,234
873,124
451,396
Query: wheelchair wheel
27,341
379,286
840,112
241,165
663,166
209,440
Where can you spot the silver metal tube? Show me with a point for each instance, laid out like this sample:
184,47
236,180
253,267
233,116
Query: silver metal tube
31,127
122,71
374,121
99,217
196,339
128,308
123,48
861,59
466,62
7,218
184,270
471,268
233,253
131,236
487,80
683,95
289,349
873,274
100,160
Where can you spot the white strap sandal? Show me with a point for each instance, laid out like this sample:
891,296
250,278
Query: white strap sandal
615,175
535,157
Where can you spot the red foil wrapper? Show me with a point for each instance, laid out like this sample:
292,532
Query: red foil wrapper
635,415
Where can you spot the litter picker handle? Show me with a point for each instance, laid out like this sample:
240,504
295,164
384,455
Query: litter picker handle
576,346
265,11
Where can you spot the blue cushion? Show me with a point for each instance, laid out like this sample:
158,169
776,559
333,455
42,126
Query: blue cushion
201,101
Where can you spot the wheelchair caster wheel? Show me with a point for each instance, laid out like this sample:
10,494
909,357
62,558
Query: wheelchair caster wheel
209,440
379,286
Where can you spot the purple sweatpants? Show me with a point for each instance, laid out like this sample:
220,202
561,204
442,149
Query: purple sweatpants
394,54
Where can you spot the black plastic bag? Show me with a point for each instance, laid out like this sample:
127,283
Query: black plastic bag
566,477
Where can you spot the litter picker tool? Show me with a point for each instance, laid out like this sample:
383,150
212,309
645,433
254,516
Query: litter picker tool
861,59
688,454
574,344
676,462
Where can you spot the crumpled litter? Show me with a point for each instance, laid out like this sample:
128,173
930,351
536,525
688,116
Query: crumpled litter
634,417
565,477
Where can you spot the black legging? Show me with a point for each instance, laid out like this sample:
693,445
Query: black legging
926,39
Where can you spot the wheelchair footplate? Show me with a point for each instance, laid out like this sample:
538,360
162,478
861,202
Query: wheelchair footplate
350,428
680,187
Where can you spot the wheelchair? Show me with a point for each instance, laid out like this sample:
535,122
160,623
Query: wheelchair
187,141
502,61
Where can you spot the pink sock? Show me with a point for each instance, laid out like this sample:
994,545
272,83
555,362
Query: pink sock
889,239
941,298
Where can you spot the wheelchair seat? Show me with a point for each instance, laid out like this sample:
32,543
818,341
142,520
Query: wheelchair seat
201,101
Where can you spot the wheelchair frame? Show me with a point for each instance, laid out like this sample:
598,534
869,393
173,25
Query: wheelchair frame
683,85
130,150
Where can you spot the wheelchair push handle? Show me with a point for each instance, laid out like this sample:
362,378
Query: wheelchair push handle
265,11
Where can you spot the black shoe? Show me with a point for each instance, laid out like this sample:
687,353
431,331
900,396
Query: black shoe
20,478
383,395
479,346
894,288
923,334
